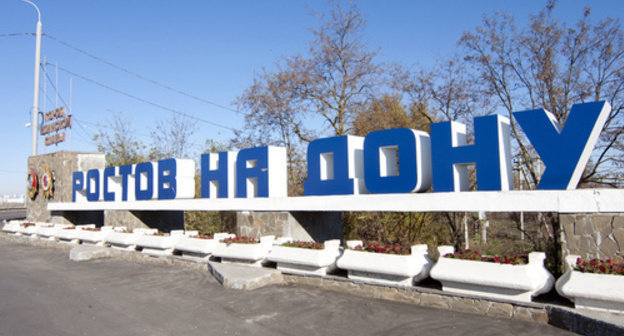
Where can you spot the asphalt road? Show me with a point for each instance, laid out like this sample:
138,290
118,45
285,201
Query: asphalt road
43,293
8,214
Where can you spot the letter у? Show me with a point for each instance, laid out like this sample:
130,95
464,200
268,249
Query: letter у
564,151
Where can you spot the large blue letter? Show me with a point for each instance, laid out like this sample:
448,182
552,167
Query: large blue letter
565,152
124,172
167,173
108,172
93,185
215,174
491,153
397,161
252,171
144,169
77,183
335,166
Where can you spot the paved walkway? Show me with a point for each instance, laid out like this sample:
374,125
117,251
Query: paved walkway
43,293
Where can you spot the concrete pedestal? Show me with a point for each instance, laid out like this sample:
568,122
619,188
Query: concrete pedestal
299,225
62,165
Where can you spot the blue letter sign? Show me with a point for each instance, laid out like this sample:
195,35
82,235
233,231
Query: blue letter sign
565,152
218,175
491,153
335,166
397,161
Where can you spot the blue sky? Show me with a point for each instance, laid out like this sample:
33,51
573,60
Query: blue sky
209,49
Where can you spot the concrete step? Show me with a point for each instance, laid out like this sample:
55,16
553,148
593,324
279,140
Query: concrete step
88,252
244,277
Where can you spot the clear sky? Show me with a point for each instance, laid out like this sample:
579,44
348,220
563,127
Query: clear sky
208,49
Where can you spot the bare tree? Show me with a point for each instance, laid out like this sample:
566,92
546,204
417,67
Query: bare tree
171,138
553,66
332,83
340,75
273,119
117,141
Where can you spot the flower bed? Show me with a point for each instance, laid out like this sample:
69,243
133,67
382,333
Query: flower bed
43,230
157,243
384,265
68,234
594,284
51,231
12,226
306,258
119,238
510,259
246,250
199,247
27,229
93,235
507,277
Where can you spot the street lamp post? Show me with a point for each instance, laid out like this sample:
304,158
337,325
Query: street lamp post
35,114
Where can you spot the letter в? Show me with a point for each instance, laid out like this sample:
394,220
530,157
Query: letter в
144,181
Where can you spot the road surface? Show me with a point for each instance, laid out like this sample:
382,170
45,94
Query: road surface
43,293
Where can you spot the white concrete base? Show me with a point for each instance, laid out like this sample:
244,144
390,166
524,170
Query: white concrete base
249,254
197,257
303,269
157,252
69,242
12,226
382,268
304,261
493,280
561,201
486,291
122,247
245,262
380,279
602,292
205,247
